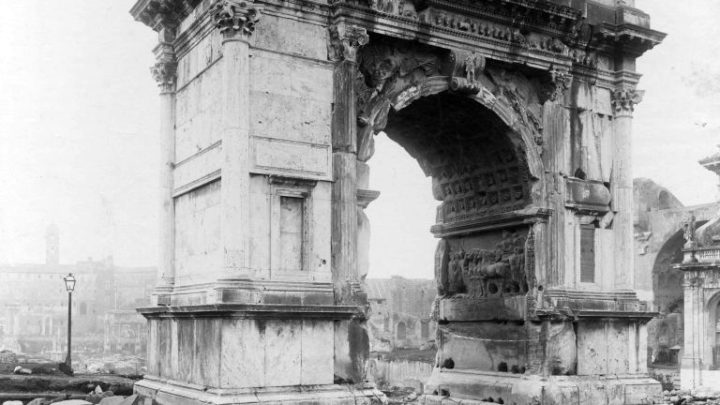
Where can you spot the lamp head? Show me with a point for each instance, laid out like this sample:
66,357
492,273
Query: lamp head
70,282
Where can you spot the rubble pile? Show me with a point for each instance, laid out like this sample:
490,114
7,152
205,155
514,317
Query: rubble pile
701,396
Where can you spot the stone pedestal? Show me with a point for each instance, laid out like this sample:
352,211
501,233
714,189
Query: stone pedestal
235,353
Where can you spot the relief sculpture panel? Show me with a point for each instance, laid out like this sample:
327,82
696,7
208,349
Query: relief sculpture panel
498,271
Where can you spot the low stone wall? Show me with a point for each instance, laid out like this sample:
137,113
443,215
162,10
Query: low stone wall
400,373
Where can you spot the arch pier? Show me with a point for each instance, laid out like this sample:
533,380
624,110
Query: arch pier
519,111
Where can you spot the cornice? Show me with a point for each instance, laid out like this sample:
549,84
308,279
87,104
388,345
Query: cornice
158,13
252,311
631,39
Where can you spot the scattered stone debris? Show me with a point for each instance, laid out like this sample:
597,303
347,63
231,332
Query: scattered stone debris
700,396
22,370
115,364
400,395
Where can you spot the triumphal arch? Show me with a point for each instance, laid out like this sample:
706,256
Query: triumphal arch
519,110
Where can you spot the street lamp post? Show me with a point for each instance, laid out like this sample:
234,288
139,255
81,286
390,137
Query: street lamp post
70,286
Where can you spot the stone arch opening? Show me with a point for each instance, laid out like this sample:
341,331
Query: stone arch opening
667,281
475,130
424,330
401,332
713,333
665,200
480,174
665,333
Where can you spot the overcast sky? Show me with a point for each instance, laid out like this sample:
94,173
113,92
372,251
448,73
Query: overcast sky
79,144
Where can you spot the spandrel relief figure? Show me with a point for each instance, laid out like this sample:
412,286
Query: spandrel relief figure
442,259
455,279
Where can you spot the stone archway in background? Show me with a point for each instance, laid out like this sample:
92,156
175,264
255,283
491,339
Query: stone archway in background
401,333
667,281
665,333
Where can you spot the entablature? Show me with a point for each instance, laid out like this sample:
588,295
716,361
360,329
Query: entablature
540,34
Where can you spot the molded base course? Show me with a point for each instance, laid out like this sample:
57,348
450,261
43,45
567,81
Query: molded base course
453,387
158,392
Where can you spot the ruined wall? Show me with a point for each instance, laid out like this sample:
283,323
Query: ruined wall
400,314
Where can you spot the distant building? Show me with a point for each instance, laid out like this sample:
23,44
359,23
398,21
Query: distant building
33,303
400,313
659,223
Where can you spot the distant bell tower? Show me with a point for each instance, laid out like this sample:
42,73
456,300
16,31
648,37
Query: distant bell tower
52,245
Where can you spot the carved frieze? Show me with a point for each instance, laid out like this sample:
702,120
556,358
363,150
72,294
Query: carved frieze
236,17
521,12
460,17
624,100
478,273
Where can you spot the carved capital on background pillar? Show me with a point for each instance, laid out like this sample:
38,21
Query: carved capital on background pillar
165,74
345,40
236,18
561,80
624,100
164,71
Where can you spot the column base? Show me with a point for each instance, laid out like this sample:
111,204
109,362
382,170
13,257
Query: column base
469,387
165,392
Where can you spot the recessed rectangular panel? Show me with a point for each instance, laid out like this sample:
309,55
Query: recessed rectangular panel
291,233
305,160
587,254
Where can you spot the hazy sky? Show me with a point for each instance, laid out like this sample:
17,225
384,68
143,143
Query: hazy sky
79,144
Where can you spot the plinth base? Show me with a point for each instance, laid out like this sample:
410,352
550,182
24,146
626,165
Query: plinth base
471,387
160,392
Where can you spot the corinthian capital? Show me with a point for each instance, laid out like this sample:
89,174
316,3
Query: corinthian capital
236,17
345,40
624,100
165,74
561,81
